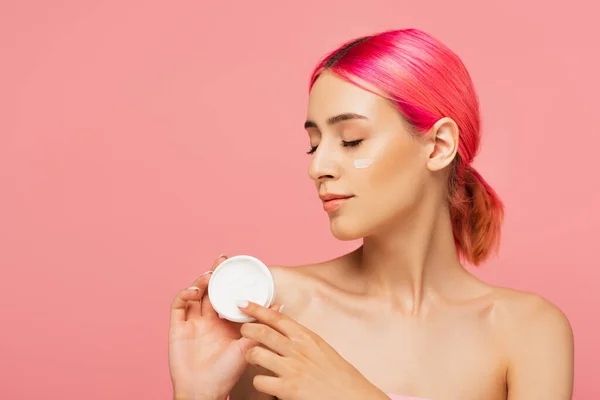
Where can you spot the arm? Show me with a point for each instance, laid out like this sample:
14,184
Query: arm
541,365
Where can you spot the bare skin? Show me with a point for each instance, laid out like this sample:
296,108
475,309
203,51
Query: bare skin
401,309
485,343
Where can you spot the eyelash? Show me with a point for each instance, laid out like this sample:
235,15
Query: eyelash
353,143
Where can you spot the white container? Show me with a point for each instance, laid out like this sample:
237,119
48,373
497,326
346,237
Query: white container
240,278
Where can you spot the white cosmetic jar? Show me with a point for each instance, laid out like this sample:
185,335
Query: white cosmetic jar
239,278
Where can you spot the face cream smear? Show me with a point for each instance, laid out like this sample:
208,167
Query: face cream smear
363,163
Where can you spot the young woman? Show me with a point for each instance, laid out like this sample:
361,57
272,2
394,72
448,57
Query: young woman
393,123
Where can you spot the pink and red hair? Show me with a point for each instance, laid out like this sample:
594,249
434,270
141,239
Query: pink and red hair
427,81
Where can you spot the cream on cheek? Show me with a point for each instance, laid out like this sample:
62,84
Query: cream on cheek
362,163
384,158
374,152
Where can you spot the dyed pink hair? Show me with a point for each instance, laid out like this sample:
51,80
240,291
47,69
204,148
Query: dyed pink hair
427,81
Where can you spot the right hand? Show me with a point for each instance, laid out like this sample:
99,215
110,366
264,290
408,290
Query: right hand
206,353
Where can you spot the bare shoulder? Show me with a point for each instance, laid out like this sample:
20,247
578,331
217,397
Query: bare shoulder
524,312
539,345
295,286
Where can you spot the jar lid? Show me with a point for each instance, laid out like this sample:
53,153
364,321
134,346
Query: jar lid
240,278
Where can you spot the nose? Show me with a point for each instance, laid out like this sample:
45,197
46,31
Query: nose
324,165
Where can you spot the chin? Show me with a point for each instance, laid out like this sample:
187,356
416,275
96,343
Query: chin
346,229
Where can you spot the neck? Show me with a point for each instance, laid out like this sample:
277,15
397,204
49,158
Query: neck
412,260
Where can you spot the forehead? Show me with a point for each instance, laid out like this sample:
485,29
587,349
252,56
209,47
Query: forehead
332,95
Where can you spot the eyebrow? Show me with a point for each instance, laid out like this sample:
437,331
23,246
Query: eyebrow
335,119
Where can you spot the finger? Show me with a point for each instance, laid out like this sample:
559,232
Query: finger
244,343
194,307
265,358
207,308
277,307
276,320
267,336
178,306
212,268
270,385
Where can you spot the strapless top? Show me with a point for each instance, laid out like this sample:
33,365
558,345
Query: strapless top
394,397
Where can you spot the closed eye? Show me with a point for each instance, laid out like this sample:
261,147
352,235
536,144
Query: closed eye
352,143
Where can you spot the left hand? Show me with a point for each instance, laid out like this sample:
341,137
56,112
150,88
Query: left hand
306,367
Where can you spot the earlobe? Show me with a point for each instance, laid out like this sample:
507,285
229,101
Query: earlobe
445,137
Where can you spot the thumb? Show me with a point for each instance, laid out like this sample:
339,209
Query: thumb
244,344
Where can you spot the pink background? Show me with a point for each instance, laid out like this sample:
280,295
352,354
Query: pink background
139,140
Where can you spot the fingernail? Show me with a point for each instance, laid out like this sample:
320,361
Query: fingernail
241,303
193,288
207,273
221,316
222,256
281,308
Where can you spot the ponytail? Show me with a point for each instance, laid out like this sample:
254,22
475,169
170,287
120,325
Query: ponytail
476,212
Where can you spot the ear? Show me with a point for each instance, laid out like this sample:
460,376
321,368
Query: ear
444,137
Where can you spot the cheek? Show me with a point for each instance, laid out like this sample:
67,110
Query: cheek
396,174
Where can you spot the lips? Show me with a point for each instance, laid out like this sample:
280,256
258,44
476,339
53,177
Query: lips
334,201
